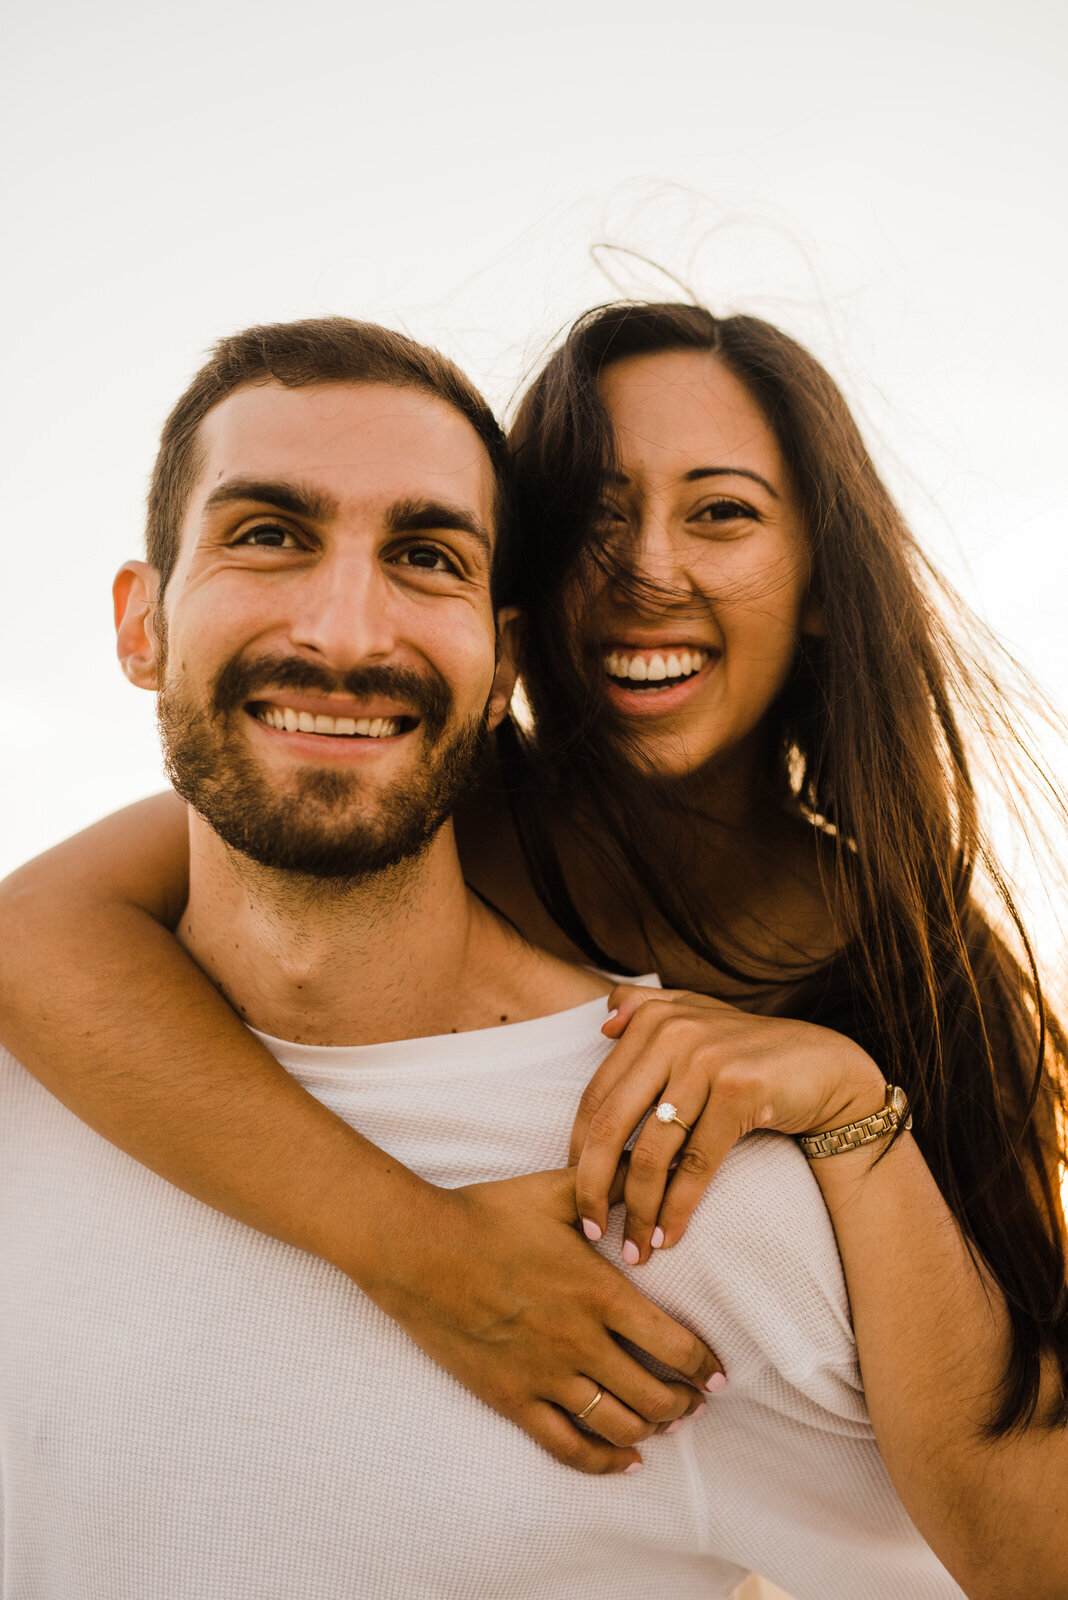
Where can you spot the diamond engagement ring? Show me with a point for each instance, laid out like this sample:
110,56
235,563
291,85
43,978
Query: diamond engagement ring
665,1112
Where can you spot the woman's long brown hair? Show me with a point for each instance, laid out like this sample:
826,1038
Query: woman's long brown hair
866,741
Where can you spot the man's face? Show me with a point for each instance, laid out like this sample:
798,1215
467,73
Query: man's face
326,662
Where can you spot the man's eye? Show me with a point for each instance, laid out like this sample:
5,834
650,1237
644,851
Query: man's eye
428,558
268,536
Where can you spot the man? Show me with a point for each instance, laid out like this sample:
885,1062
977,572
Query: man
188,1408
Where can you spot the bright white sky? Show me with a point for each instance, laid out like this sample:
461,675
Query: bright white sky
887,182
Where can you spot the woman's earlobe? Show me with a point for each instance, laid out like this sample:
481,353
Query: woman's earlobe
134,594
813,622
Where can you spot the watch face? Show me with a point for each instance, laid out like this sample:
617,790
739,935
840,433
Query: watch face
899,1102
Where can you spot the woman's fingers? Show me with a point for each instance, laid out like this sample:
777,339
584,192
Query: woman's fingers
611,1071
624,1001
631,1079
558,1432
630,997
650,1401
615,1422
660,1145
735,1107
669,1171
699,1162
612,1105
645,1326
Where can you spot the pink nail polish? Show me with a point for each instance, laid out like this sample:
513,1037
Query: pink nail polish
635,1466
673,1427
591,1230
657,1238
613,1013
631,1253
716,1383
696,1412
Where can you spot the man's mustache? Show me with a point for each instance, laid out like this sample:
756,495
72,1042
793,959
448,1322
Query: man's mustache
426,695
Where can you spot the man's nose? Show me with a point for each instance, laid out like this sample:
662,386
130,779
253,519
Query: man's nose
346,613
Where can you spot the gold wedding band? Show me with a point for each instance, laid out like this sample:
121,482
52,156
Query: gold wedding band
580,1416
666,1113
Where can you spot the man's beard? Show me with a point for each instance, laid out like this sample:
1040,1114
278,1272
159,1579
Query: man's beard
319,827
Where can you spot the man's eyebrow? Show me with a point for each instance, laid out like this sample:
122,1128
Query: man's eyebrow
708,472
300,500
416,514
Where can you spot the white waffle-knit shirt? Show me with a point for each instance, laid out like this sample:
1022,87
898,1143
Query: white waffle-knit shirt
192,1411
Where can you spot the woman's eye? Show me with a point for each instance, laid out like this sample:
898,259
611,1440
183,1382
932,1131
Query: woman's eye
609,516
268,536
724,511
428,558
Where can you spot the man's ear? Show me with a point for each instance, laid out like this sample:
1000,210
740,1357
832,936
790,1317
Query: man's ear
135,593
508,628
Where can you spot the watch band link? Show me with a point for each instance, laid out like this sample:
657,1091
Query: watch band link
895,1113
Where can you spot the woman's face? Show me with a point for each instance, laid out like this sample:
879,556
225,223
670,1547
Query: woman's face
703,507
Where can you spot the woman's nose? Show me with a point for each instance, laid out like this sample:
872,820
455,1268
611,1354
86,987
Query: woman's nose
657,557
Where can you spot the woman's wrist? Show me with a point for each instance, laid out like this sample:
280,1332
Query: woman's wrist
837,1175
859,1091
373,1238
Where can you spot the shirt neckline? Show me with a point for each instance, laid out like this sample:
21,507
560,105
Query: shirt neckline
514,1040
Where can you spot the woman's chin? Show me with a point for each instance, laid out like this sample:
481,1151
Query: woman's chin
664,753
724,761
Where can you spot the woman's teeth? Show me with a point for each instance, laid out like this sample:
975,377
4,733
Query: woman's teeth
340,727
666,669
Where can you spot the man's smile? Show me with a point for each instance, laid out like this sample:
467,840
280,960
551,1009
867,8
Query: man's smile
348,730
291,721
333,717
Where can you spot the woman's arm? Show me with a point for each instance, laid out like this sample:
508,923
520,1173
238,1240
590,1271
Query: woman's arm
102,1004
933,1339
932,1333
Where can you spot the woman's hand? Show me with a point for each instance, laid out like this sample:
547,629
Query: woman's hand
497,1285
727,1073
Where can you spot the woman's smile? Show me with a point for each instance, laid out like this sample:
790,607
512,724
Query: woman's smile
652,682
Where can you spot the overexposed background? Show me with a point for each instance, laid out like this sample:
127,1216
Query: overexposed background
886,182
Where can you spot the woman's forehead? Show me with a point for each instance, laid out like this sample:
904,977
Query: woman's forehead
679,409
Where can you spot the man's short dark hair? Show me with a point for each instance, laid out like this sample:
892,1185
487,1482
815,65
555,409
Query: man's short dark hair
297,355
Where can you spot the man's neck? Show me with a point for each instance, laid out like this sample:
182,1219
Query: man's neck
405,953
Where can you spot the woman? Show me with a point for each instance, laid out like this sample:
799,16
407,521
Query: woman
746,773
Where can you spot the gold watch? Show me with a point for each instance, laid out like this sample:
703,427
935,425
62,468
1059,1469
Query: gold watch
895,1113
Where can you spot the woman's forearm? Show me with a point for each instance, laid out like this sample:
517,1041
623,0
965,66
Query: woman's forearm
103,1005
933,1340
105,1008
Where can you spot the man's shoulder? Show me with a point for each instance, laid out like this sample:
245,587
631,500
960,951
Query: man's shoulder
759,1270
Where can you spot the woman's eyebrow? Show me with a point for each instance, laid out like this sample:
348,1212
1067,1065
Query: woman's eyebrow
696,473
728,472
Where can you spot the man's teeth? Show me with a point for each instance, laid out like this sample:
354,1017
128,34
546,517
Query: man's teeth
344,727
657,668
